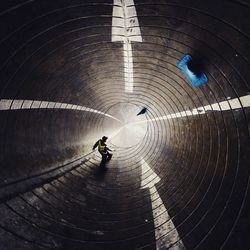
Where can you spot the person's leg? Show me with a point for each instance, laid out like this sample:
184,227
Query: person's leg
103,161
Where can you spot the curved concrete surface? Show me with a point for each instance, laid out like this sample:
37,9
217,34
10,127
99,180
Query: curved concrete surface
72,71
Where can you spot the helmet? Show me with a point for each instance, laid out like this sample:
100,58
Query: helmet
104,138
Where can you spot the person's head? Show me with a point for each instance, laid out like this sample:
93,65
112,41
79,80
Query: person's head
104,138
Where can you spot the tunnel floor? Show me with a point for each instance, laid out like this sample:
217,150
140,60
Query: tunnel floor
87,208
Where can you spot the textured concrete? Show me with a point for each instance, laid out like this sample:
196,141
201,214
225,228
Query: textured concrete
52,192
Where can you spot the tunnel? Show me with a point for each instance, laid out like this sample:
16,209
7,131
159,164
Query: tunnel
73,71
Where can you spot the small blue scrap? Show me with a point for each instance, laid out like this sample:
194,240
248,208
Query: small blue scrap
197,80
143,111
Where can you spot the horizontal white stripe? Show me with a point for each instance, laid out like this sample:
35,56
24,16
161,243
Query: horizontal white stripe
236,103
8,104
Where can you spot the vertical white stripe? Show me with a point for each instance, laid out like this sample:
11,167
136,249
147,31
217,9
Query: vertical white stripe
166,234
128,67
125,28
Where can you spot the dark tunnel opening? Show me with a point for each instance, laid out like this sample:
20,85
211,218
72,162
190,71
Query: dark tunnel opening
73,71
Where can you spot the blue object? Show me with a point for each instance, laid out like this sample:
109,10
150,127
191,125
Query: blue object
196,80
143,111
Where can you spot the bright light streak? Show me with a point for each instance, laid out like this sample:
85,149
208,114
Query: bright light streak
129,135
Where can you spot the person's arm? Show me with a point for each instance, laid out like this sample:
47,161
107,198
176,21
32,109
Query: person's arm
109,149
96,144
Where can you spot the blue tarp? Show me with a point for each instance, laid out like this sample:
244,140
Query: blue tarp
196,81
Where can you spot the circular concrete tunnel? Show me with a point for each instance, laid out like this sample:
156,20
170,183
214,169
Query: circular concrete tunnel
73,71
